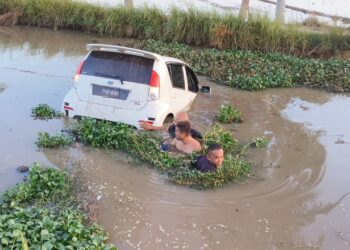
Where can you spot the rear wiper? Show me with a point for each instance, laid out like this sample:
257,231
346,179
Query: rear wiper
119,78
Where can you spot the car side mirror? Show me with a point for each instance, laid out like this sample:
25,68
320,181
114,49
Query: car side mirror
205,90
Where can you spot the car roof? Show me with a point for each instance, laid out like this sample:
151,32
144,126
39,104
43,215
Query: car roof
132,51
168,59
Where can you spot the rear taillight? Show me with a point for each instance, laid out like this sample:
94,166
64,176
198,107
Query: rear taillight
77,73
154,85
155,81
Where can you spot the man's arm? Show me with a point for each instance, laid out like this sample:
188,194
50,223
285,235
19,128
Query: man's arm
146,126
174,142
196,134
197,146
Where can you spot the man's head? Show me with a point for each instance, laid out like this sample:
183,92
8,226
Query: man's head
181,117
183,130
216,154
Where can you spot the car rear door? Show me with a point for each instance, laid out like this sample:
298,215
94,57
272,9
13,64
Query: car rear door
115,79
179,95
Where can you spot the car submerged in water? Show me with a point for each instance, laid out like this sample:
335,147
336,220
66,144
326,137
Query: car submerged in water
128,85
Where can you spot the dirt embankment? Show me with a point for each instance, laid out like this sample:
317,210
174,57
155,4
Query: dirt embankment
9,18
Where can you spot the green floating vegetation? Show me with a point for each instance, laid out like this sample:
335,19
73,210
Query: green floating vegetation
260,142
192,27
146,146
256,71
44,111
45,140
41,214
229,114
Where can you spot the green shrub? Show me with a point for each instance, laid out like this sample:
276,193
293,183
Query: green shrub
312,21
178,169
45,140
40,214
44,111
229,114
193,27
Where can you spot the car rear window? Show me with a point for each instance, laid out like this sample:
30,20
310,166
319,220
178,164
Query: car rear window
129,68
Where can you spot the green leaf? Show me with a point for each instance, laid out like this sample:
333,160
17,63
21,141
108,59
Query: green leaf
4,241
16,233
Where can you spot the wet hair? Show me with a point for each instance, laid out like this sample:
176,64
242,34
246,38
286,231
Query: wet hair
184,127
214,147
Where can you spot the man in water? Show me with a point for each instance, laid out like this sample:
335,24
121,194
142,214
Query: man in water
182,116
183,141
212,161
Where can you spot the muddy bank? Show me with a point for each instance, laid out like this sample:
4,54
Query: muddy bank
9,19
295,198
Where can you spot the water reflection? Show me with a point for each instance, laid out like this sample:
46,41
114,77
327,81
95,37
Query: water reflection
47,42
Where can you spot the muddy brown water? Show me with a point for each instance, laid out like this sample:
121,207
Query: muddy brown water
296,198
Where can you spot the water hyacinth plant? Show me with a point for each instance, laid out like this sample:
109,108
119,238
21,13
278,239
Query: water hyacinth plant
217,134
45,140
257,71
260,142
178,169
42,213
44,111
229,114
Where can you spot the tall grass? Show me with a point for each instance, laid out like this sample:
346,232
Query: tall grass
192,27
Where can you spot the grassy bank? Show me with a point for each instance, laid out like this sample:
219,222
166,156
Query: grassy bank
42,213
190,27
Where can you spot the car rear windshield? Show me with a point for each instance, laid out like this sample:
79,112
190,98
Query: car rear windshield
125,67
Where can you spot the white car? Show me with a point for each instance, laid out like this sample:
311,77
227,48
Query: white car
127,85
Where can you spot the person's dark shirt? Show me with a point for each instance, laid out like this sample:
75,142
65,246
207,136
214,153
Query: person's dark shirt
204,165
194,133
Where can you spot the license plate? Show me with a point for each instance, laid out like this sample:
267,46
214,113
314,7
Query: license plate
108,92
